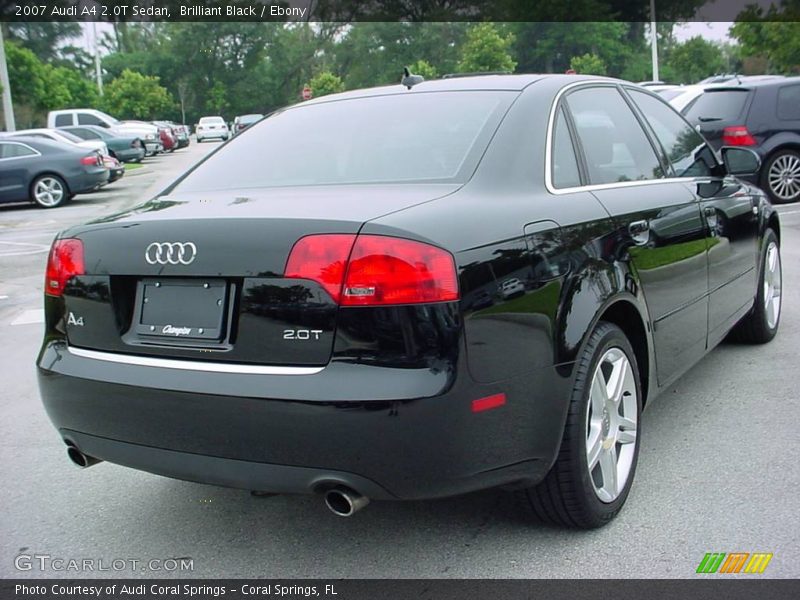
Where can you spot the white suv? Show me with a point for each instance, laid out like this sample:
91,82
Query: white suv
211,128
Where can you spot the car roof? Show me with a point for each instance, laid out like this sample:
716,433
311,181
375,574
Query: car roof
748,84
493,82
42,143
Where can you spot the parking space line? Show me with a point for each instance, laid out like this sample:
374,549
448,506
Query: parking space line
30,317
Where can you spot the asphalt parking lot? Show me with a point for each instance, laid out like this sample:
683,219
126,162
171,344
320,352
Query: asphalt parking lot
718,470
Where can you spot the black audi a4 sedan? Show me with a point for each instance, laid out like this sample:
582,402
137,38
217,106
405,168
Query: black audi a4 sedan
305,310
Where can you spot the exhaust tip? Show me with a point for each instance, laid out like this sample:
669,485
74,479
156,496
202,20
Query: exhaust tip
344,502
80,459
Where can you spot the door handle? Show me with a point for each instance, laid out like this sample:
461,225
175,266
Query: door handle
639,232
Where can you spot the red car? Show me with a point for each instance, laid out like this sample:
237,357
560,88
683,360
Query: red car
168,139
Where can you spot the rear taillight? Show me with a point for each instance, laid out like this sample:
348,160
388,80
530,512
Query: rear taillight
90,160
65,261
737,136
375,270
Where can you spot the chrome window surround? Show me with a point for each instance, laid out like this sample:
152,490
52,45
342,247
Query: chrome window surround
9,141
548,152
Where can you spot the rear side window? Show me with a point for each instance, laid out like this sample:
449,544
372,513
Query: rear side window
614,144
87,119
789,103
682,144
433,137
725,106
15,151
565,165
63,120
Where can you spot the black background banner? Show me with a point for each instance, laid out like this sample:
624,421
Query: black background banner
395,10
702,588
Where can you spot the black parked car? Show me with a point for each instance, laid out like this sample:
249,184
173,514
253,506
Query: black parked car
46,172
763,115
298,312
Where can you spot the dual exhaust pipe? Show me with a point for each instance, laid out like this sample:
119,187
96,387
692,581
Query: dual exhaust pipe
341,501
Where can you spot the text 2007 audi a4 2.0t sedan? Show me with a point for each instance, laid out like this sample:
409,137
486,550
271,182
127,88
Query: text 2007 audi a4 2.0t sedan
302,312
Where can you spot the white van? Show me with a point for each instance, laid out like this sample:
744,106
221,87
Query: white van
89,116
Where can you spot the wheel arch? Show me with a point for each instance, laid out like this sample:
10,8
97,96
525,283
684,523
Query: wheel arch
44,174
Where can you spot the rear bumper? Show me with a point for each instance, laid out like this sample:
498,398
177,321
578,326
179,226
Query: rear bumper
386,432
88,181
130,154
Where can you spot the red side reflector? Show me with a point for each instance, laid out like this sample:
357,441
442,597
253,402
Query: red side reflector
374,270
488,403
65,261
737,136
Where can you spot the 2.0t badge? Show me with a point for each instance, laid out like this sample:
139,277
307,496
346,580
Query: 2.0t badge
170,253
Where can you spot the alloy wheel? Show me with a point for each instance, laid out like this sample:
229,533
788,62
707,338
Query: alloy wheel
784,177
772,284
611,425
48,191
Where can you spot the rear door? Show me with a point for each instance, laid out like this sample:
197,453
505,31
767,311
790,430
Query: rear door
658,219
729,210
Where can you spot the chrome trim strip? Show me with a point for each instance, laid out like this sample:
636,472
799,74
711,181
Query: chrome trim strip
548,150
192,365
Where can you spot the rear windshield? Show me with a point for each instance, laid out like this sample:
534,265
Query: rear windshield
722,105
206,120
250,118
70,136
431,137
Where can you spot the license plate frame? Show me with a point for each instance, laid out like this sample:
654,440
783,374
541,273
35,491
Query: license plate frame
181,309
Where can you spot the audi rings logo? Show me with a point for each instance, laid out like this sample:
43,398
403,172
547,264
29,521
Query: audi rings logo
170,253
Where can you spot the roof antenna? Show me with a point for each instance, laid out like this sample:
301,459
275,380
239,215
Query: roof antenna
410,80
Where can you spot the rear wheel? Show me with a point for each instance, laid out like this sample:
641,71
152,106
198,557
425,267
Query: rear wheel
594,470
781,176
49,191
760,325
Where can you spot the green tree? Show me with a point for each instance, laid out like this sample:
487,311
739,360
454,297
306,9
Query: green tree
486,49
325,83
588,64
424,68
217,100
136,96
694,60
773,35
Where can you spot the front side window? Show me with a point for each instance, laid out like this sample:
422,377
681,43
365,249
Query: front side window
685,148
614,144
565,165
87,119
63,120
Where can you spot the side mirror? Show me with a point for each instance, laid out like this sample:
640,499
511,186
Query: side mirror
741,161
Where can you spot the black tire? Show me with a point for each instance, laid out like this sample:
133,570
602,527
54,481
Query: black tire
792,157
55,183
755,326
567,495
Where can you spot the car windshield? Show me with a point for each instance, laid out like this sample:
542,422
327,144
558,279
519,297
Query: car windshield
431,137
718,105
